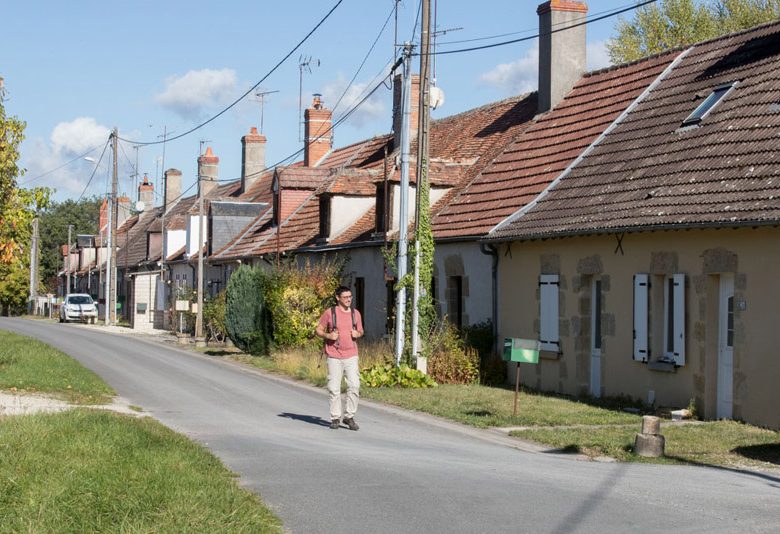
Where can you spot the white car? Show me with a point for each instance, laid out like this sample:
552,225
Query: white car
78,307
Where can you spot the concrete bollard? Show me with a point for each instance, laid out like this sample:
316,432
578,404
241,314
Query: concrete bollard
650,443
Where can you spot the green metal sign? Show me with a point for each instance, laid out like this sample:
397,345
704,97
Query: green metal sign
521,350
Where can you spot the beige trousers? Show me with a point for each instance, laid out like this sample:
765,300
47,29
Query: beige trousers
336,369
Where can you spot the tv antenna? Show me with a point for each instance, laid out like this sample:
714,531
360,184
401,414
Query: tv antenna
304,64
260,94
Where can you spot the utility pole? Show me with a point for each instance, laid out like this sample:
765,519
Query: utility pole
67,263
422,164
107,280
34,269
112,238
199,314
400,300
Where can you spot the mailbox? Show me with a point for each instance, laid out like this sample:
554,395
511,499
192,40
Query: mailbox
521,350
140,307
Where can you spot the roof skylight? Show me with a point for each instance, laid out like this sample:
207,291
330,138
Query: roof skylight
710,102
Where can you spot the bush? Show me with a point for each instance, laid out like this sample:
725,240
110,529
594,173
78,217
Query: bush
296,297
388,375
450,361
214,317
246,318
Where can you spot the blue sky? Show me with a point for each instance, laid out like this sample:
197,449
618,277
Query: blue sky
73,70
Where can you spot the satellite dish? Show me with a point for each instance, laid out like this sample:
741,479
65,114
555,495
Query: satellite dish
436,97
139,206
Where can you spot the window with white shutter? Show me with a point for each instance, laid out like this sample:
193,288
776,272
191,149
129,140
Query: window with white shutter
674,319
641,333
549,338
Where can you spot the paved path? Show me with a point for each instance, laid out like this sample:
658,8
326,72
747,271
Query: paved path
399,473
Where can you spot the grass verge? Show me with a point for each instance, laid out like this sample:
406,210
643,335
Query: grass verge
28,365
89,471
722,443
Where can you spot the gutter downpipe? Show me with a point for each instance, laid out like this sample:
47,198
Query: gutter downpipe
491,250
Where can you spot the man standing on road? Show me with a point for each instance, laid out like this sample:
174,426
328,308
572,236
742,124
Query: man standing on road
340,326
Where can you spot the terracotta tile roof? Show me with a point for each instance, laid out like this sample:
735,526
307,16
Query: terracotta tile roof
352,182
302,177
358,232
546,148
178,255
649,172
132,245
364,154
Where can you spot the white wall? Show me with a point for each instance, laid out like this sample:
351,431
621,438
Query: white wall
435,194
176,239
193,230
345,211
145,293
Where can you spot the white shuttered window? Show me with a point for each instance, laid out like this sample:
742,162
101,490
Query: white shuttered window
641,334
549,337
674,318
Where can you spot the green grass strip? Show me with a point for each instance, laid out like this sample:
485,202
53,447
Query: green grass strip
723,443
484,406
29,365
89,471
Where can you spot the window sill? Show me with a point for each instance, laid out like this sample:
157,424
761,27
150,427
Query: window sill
662,367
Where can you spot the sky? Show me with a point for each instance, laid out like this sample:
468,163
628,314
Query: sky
75,70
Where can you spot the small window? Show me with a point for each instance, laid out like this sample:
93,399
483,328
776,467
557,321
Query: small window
360,295
455,300
324,217
709,103
381,209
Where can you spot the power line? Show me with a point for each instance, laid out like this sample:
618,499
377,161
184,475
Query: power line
381,31
87,153
93,171
523,32
494,45
255,86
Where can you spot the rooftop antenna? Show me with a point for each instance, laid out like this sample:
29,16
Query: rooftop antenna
435,34
260,94
202,142
304,64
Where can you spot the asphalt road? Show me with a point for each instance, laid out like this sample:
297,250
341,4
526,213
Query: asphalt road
401,473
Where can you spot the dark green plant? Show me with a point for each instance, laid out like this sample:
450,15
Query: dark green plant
246,318
479,336
388,375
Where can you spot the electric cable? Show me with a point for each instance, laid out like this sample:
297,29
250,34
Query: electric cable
504,43
522,32
94,171
87,153
255,86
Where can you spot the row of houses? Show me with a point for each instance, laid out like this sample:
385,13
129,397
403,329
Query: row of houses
627,218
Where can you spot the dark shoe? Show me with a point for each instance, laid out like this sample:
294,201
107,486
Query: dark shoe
350,422
334,424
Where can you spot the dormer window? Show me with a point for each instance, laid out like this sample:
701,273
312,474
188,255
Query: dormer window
708,104
381,209
324,217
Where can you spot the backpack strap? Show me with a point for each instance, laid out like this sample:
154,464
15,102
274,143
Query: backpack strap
354,322
333,318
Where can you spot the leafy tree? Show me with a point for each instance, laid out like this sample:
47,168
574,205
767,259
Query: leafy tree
83,215
671,23
18,208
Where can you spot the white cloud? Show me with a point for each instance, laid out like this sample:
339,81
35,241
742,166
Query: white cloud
370,110
189,95
598,58
68,141
78,136
517,77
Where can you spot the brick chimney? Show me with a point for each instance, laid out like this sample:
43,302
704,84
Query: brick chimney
561,54
123,209
146,192
103,222
318,136
397,112
208,172
252,158
172,188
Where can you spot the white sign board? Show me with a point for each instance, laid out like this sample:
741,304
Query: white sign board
182,305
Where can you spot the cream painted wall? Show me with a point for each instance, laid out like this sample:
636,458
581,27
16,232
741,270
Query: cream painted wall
466,260
145,291
752,255
193,229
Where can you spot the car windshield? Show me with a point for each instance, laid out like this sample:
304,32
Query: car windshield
80,299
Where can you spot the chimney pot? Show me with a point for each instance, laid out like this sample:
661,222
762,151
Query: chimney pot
318,135
252,158
208,172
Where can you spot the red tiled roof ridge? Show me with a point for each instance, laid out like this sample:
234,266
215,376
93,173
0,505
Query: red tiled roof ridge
489,105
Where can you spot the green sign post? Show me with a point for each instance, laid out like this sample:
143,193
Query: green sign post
520,351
